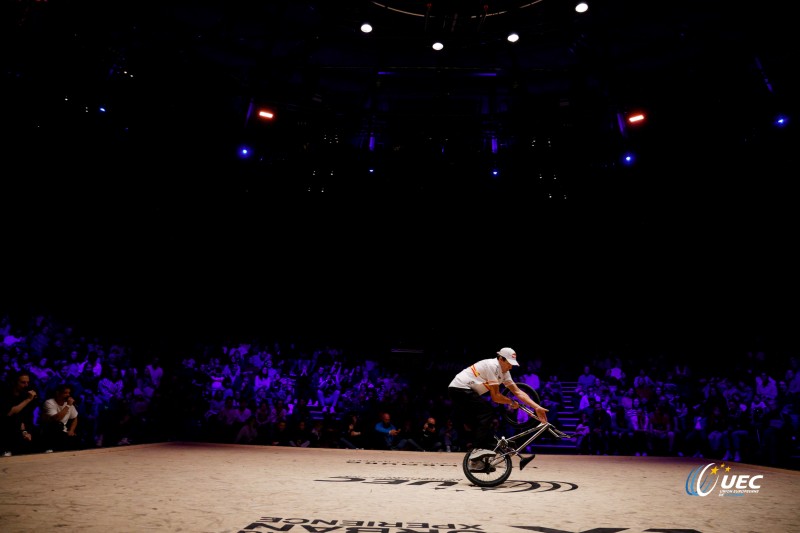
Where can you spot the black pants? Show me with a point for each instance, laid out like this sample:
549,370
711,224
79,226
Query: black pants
477,413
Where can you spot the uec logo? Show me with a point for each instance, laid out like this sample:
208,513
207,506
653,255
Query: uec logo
701,481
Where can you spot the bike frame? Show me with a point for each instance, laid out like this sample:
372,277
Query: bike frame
504,448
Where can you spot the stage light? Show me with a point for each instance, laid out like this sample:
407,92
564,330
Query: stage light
244,152
366,27
781,121
582,7
628,159
438,46
266,114
636,118
513,37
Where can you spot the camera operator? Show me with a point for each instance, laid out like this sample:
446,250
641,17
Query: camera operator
429,438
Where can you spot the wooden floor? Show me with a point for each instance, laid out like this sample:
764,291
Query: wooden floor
219,488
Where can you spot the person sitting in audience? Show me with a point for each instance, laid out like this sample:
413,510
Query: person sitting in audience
600,425
387,433
281,435
640,423
737,433
662,434
110,386
582,431
59,421
17,406
450,437
329,388
248,433
429,436
353,433
621,440
301,436
716,425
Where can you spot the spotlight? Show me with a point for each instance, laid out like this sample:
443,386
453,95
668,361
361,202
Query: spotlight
438,46
244,152
628,159
366,27
513,37
781,121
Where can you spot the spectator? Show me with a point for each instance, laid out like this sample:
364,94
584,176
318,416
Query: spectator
429,436
615,375
280,435
386,433
587,380
643,385
582,431
248,433
530,377
243,413
621,435
640,423
778,433
662,433
301,435
766,386
716,425
154,371
74,366
450,437
16,409
353,433
600,425
737,433
59,421
110,387
328,388
265,417
696,440
262,381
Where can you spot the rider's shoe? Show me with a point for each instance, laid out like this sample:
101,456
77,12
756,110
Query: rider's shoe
480,465
478,453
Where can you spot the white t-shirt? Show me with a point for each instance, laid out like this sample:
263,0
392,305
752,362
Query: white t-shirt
51,409
476,376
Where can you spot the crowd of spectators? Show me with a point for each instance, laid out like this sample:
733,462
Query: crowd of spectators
747,413
65,390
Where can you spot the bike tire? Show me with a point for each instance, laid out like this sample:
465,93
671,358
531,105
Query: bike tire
517,417
502,471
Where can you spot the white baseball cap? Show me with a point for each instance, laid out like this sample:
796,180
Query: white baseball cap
509,355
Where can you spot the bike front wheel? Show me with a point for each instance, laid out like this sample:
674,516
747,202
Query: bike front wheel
494,471
518,417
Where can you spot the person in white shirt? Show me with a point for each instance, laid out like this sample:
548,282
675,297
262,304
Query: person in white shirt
60,420
466,391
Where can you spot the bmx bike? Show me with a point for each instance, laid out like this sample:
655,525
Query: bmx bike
496,469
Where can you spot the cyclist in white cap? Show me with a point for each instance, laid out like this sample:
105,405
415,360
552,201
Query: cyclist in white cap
467,390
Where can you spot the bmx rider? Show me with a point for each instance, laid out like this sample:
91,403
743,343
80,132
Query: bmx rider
467,390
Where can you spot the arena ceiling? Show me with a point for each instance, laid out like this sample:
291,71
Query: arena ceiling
181,83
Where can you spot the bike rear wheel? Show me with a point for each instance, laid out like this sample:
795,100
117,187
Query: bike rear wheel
486,477
518,417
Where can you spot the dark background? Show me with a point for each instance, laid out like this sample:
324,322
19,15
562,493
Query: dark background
142,223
